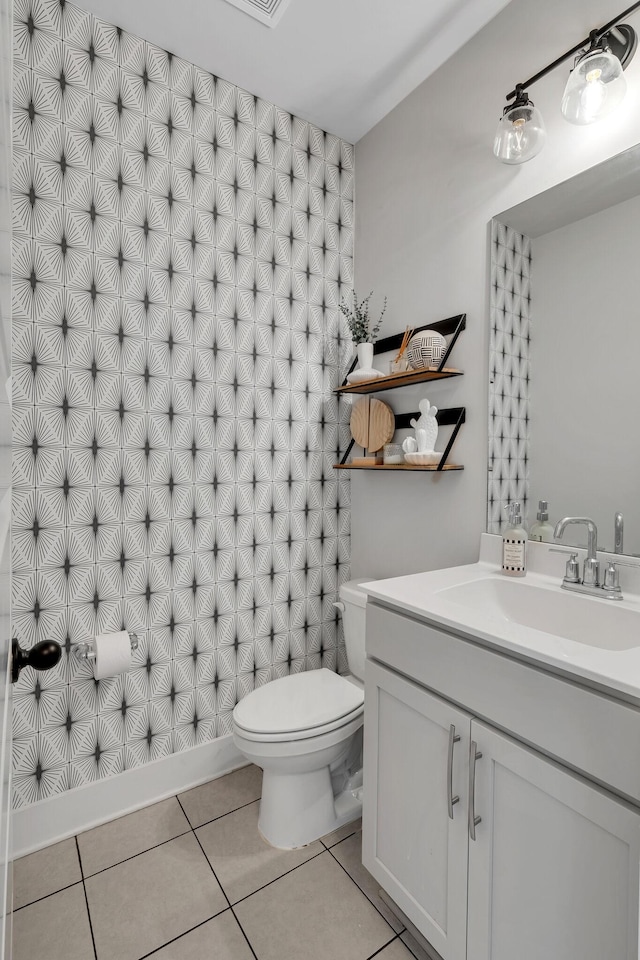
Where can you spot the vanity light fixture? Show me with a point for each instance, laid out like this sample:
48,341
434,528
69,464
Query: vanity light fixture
520,134
596,86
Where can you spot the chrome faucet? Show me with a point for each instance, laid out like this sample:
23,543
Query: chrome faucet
610,588
591,569
618,533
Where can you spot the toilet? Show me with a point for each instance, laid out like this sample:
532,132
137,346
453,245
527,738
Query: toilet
305,731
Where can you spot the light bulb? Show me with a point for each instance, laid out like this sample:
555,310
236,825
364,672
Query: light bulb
593,95
595,87
520,134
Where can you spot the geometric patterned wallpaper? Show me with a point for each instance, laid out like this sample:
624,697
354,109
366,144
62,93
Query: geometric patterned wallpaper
179,251
509,373
5,433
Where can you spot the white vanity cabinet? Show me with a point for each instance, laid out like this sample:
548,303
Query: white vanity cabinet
550,868
414,834
553,870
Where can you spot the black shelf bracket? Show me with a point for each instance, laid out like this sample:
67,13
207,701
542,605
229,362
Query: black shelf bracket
352,444
450,416
452,326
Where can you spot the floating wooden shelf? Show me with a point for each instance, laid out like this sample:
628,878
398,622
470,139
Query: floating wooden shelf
407,467
454,416
394,380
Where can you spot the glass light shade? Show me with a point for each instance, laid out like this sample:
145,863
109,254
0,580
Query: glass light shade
520,134
595,87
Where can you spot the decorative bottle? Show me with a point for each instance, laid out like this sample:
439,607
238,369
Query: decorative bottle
514,543
542,529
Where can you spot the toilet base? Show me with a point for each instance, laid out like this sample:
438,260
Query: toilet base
296,810
310,786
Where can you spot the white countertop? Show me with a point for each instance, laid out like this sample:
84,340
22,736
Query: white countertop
420,594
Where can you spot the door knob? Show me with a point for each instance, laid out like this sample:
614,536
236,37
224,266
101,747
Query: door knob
43,656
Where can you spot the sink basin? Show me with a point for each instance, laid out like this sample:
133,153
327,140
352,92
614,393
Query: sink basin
595,623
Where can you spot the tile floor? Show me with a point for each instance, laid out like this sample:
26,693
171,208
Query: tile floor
190,879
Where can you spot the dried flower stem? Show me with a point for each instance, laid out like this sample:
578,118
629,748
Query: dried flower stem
358,320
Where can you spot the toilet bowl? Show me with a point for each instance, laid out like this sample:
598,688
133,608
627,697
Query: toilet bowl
305,731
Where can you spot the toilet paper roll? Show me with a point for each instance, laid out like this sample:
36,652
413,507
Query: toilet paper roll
113,654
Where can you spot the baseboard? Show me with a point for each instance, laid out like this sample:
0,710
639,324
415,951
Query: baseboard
48,821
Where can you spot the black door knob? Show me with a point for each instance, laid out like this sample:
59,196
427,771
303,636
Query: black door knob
43,656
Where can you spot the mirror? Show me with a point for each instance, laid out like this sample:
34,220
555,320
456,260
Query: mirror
564,357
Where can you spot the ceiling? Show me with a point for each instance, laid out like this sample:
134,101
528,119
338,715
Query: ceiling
343,64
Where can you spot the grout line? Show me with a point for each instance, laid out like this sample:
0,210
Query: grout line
384,947
224,893
365,894
243,932
79,857
324,849
93,939
86,900
203,922
163,843
231,906
186,932
335,844
46,896
134,855
220,816
285,874
395,936
269,882
190,829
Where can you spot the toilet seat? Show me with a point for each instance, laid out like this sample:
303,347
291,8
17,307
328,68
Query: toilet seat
298,707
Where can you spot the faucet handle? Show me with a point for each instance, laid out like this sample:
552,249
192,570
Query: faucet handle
611,578
572,569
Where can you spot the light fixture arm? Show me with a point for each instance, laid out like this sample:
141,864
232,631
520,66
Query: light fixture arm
590,41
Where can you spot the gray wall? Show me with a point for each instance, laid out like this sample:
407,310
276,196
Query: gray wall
428,186
179,248
585,454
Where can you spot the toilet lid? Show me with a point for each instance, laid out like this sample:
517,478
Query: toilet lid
300,701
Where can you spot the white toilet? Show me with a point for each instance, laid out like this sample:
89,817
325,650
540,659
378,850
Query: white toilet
305,731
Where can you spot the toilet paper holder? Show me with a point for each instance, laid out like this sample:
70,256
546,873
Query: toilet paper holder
86,650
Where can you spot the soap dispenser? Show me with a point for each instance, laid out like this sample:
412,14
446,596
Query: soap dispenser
542,529
514,543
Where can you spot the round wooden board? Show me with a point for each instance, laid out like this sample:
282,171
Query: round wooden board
372,423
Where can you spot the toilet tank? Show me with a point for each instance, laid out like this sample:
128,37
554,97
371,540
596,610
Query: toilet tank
353,605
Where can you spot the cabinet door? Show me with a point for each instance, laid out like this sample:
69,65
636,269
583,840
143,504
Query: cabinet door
412,847
553,871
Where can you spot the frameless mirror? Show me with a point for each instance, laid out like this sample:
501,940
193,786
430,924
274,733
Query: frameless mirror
564,399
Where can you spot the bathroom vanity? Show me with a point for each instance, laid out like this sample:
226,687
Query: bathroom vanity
502,761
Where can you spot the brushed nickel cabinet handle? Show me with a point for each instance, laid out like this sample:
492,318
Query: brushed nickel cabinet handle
474,754
453,739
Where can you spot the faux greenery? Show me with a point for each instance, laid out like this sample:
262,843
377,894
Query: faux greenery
358,319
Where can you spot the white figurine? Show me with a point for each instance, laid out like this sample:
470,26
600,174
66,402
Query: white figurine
421,448
427,422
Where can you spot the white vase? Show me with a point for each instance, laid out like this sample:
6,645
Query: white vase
365,356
